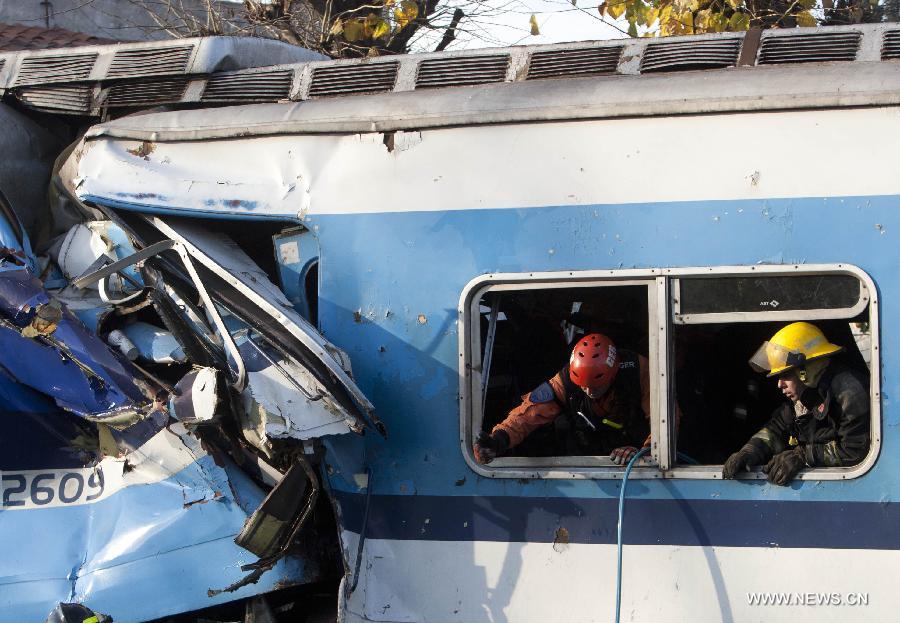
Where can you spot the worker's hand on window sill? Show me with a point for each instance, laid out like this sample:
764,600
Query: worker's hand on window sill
621,456
782,468
744,459
489,447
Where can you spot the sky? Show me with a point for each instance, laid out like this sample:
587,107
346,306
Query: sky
506,22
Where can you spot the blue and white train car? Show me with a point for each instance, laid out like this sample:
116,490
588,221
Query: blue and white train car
688,198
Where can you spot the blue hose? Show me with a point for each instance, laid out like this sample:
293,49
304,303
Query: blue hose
631,463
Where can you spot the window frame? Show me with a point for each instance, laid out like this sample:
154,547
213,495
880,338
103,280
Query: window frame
662,314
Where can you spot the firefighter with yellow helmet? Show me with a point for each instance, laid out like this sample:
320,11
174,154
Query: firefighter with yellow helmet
825,422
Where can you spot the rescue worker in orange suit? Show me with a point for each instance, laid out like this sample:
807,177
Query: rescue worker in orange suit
825,420
603,393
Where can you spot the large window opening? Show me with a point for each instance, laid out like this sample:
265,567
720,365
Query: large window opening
528,335
723,400
694,330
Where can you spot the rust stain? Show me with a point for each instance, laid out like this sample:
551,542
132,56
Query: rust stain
45,321
561,541
143,151
14,256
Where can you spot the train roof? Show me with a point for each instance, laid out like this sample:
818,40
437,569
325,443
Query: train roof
727,72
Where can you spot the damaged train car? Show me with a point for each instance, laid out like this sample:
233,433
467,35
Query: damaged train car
185,437
162,408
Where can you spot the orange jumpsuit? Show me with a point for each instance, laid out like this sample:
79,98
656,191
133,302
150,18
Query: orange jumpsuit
529,416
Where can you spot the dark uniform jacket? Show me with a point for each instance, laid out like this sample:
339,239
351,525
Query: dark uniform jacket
835,431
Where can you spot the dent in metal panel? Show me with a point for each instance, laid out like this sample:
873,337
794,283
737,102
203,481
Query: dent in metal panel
52,352
149,174
90,459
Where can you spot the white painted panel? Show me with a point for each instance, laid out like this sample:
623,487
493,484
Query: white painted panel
541,582
618,161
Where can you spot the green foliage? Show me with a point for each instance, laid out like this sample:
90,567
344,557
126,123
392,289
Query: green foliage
690,17
374,30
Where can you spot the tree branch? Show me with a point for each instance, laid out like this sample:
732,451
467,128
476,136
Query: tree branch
450,33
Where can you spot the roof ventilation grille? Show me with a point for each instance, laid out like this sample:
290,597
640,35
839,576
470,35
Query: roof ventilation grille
146,93
461,71
69,98
353,79
687,55
153,61
269,86
809,48
890,47
574,62
63,68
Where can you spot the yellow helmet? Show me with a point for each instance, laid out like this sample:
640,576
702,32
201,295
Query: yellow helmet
794,345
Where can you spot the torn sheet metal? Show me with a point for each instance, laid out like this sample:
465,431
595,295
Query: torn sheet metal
137,537
106,500
282,399
45,347
228,262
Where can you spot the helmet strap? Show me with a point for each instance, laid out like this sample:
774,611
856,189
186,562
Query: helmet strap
811,373
595,393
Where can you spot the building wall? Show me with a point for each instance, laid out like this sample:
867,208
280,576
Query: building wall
123,20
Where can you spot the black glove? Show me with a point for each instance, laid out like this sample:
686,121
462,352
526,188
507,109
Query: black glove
784,466
747,457
489,447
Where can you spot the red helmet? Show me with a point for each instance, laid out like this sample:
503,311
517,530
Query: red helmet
594,362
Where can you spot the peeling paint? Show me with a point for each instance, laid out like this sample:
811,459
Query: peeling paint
561,540
143,150
232,204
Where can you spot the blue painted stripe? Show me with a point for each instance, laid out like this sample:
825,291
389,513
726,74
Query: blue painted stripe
212,213
726,523
417,264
